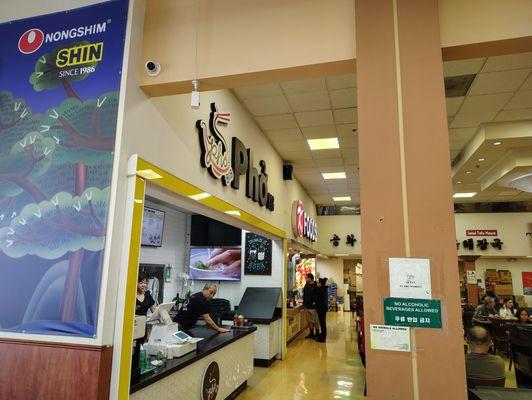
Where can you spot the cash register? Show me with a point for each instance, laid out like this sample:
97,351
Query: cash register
165,336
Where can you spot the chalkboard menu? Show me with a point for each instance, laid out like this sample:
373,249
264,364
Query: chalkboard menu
258,255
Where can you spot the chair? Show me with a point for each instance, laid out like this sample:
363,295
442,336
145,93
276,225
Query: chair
474,382
501,335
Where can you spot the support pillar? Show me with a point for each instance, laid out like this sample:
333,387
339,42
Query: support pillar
406,191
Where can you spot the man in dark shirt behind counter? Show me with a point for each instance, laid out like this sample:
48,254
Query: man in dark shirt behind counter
479,363
198,306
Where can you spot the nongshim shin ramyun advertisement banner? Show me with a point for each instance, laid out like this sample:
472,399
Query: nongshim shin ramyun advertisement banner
59,89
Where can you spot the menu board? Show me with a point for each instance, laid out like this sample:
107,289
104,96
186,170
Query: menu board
304,266
258,255
152,227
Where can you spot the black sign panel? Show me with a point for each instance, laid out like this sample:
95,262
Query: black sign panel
211,382
258,255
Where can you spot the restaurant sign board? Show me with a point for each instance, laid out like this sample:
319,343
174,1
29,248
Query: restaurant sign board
302,224
419,313
481,232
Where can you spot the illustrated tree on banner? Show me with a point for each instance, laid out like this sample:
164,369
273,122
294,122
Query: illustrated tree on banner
46,74
65,216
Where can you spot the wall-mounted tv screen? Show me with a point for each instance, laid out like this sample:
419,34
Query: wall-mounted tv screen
152,227
208,232
215,263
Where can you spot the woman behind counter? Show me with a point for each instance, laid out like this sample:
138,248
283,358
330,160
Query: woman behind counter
145,301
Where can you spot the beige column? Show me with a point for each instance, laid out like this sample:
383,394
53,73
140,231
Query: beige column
406,192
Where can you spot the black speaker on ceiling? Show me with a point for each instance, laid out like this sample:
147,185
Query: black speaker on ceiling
287,172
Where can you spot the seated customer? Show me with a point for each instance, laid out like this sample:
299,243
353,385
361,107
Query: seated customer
479,363
197,306
522,316
486,309
507,310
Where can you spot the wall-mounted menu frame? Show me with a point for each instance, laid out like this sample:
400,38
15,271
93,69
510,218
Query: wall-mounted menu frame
258,255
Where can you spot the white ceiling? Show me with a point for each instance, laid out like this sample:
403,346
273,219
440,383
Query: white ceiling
289,113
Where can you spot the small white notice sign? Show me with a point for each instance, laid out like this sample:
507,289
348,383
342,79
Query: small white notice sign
410,278
471,277
386,337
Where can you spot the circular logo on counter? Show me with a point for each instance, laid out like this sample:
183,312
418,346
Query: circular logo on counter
211,382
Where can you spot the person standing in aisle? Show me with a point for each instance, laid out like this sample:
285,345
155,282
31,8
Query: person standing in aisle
321,308
310,306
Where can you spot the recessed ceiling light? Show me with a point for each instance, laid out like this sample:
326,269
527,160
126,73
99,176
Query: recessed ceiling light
333,175
200,196
463,195
341,255
342,198
459,182
481,159
496,143
468,172
148,174
322,144
233,212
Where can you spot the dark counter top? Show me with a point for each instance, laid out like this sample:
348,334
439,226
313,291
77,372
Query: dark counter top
497,393
212,342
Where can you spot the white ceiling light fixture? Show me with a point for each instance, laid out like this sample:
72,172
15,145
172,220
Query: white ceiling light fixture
497,143
459,182
200,196
323,144
341,255
481,159
342,198
148,174
464,195
233,212
333,175
468,172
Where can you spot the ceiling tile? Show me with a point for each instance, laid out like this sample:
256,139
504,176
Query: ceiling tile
348,141
283,147
314,118
514,115
341,81
346,130
345,116
282,121
296,156
284,135
331,153
462,133
343,98
325,164
252,92
468,120
462,67
306,171
349,154
304,86
315,132
268,105
309,101
453,104
522,99
497,82
487,102
506,62
304,163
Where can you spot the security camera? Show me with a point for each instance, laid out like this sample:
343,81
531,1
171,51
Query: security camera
153,68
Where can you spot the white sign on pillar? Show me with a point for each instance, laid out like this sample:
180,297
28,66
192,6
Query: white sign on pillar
410,278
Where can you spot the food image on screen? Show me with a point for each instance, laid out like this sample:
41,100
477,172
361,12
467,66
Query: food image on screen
217,264
152,227
304,266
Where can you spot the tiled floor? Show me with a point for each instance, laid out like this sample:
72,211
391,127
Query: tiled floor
314,370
